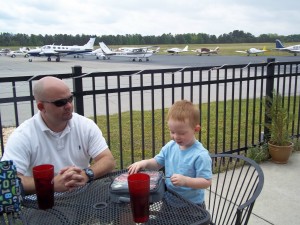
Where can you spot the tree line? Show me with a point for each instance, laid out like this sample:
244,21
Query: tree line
236,36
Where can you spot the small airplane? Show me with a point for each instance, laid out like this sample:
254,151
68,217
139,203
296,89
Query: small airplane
134,53
254,51
206,51
294,49
177,50
60,50
97,52
149,49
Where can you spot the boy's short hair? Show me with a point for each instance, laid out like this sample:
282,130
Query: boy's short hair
184,111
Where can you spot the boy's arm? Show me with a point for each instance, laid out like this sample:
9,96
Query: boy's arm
196,183
149,164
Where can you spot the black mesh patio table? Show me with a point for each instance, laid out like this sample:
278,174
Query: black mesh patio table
91,205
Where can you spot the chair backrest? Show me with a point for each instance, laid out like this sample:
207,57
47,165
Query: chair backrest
236,184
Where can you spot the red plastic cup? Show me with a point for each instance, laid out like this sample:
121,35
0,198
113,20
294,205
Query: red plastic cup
43,176
139,191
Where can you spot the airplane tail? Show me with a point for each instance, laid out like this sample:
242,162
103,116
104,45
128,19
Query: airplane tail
104,48
157,50
265,48
279,44
90,44
217,49
185,49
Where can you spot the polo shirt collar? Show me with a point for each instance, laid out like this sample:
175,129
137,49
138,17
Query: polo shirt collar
44,127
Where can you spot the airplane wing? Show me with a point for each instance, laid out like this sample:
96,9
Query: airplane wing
173,50
291,50
242,52
49,53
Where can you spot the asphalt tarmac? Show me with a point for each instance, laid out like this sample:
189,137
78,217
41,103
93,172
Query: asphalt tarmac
20,66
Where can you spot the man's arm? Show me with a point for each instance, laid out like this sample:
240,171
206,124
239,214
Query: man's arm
28,184
72,176
103,164
60,180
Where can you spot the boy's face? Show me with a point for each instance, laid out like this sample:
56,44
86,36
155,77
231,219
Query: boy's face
182,133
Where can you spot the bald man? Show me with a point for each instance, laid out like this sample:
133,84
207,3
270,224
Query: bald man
56,135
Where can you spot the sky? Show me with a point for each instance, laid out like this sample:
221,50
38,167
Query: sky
149,17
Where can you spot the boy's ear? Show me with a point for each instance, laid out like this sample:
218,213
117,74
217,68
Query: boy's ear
197,128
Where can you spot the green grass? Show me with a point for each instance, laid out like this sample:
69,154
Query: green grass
215,142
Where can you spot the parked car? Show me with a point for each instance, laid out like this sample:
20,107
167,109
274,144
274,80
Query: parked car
4,51
13,54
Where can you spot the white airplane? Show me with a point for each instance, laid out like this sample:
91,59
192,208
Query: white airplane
177,50
134,53
206,51
254,51
294,49
97,52
131,49
60,50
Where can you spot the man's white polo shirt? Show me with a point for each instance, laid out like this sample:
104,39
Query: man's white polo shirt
33,143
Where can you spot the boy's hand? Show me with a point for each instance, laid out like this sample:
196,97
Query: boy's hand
136,167
178,180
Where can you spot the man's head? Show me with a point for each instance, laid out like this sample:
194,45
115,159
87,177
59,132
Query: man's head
54,100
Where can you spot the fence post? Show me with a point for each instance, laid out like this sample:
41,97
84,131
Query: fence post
269,94
77,90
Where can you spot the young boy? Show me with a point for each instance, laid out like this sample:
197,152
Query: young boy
187,163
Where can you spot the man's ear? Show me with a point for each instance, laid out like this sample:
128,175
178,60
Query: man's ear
197,128
40,106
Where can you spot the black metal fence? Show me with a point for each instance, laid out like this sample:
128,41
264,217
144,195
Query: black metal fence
130,106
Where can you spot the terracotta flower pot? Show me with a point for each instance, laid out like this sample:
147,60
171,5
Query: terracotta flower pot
280,154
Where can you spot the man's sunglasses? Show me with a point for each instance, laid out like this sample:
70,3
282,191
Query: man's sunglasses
61,102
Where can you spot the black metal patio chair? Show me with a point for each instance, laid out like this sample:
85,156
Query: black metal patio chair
236,184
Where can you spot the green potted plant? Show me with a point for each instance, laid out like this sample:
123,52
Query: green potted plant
279,142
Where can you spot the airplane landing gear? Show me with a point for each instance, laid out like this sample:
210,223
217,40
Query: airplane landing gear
58,59
140,60
49,59
29,60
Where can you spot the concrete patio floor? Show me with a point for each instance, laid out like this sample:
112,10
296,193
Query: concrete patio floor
279,201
